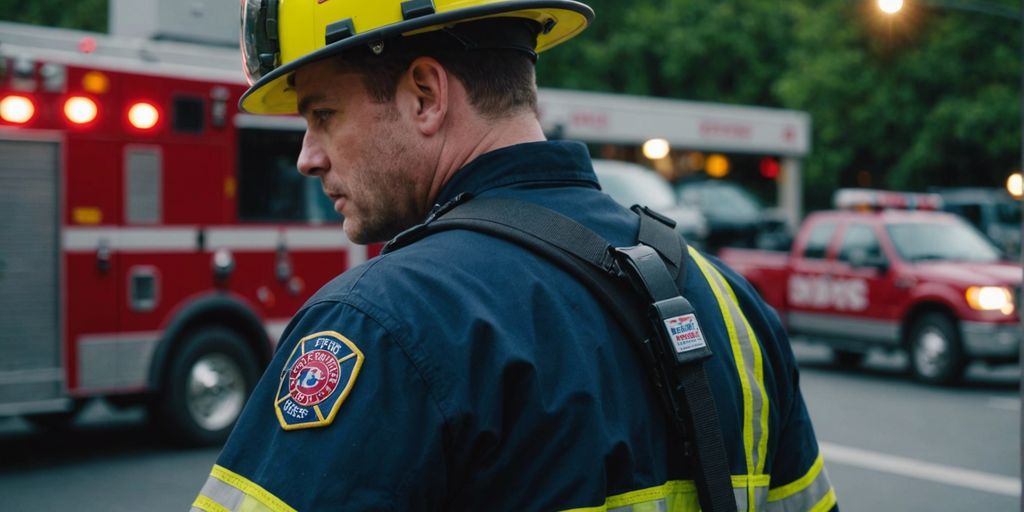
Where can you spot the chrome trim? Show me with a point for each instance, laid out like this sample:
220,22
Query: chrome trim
116,360
38,406
982,339
877,331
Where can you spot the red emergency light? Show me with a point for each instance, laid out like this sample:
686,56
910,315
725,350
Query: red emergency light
867,200
770,168
80,110
17,109
143,115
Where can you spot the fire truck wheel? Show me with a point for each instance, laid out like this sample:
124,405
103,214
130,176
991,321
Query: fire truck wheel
936,355
847,359
208,381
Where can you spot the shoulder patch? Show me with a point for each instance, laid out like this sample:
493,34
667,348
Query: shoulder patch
316,379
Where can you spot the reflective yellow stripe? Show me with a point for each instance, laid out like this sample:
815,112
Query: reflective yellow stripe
730,325
205,504
826,503
798,485
751,480
746,351
677,496
755,346
255,497
812,492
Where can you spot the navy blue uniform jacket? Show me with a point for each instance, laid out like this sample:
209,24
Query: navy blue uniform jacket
464,373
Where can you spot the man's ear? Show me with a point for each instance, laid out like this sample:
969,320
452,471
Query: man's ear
425,86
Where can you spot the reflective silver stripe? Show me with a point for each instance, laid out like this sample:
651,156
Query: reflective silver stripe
749,363
225,495
741,497
226,491
760,497
659,505
803,495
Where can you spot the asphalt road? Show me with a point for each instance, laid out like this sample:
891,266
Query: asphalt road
890,445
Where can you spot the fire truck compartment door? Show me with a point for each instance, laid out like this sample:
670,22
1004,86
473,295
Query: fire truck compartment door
31,377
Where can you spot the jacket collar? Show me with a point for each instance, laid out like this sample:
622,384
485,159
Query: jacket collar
566,162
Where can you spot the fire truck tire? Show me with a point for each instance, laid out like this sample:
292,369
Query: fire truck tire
208,381
936,354
847,359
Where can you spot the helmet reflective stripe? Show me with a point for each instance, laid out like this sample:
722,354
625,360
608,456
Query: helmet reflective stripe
310,30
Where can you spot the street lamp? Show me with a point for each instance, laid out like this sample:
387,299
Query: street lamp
980,7
890,6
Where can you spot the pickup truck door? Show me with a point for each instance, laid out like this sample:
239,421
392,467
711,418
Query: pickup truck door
809,290
864,291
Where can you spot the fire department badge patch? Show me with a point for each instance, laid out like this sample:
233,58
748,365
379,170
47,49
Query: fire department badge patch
316,379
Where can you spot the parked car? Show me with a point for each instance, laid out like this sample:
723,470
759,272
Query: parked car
630,184
876,274
992,210
735,218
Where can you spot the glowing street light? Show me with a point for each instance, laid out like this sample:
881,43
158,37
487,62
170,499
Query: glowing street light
890,6
1015,185
656,149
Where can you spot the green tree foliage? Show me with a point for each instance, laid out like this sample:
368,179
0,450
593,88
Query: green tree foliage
706,50
928,98
79,14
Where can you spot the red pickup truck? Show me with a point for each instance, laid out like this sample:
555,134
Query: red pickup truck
885,270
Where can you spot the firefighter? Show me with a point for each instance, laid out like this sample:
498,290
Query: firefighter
462,372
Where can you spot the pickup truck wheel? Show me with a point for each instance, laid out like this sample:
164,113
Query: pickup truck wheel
936,354
847,359
208,382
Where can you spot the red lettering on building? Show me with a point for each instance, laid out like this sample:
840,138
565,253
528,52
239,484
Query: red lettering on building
723,130
595,120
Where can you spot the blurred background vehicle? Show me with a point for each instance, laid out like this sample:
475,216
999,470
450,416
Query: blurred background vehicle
992,210
631,184
735,218
886,270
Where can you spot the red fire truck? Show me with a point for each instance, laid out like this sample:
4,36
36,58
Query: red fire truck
886,270
153,241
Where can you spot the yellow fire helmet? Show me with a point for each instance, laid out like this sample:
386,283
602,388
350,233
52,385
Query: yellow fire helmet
280,36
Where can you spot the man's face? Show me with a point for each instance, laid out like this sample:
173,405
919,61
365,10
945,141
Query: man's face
368,158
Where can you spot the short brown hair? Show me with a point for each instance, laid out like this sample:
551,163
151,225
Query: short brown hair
500,81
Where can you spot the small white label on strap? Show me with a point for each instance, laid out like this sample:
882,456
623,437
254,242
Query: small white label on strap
685,333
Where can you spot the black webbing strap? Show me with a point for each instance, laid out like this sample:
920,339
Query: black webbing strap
677,373
682,352
547,234
714,481
667,242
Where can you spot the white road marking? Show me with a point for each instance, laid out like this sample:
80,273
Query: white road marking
977,480
1006,404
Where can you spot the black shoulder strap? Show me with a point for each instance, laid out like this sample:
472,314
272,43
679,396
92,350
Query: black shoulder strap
677,374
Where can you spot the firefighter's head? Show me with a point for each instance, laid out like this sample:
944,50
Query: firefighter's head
281,36
397,95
